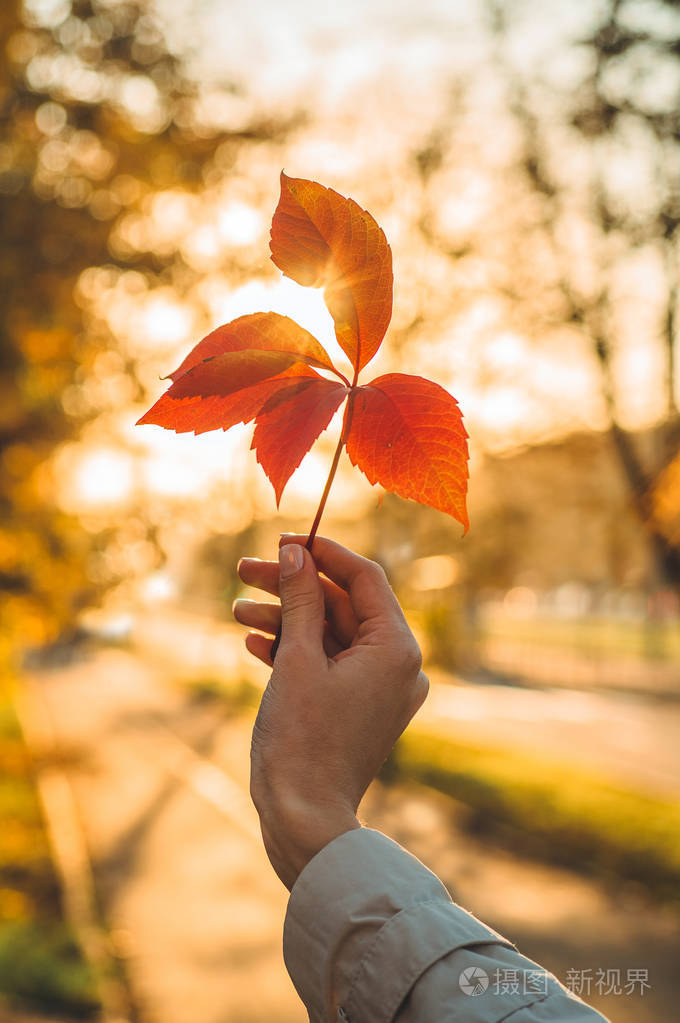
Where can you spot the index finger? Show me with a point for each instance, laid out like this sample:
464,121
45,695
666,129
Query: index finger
369,591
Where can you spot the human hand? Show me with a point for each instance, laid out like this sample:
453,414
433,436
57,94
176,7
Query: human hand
346,681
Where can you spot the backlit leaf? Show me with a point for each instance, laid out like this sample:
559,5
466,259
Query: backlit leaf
407,434
404,432
258,331
230,372
320,238
290,422
200,413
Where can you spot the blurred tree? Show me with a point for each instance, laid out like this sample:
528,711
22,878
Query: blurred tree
615,200
576,246
95,113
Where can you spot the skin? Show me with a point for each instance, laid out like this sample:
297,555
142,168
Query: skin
346,682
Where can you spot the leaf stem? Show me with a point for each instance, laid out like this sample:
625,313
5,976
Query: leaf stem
333,469
326,490
340,375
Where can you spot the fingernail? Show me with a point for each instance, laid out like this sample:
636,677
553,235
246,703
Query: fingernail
245,561
291,559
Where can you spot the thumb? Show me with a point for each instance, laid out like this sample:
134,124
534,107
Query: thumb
302,602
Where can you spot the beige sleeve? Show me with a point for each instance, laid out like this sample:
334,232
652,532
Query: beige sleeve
372,936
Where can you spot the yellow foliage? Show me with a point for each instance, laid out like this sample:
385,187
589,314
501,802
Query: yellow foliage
666,501
27,620
8,551
12,410
19,460
15,905
43,345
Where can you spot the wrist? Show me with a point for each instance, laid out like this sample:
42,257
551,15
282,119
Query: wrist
294,831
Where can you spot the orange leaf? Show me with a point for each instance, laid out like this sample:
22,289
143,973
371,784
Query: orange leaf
407,434
233,371
319,237
269,332
199,413
290,422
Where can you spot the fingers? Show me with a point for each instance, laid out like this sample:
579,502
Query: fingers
369,592
302,605
267,618
264,575
256,615
260,647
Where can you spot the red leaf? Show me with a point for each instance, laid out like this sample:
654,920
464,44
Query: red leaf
319,237
199,413
258,331
233,371
404,432
407,434
290,422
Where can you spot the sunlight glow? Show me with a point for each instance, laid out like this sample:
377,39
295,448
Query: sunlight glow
239,224
434,573
304,305
98,477
164,321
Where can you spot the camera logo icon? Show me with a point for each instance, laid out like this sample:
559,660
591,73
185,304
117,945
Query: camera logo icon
473,981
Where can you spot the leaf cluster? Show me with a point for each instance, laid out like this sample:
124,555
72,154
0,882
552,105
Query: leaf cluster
404,432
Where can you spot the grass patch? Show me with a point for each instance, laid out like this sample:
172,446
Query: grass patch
40,964
41,968
544,809
592,636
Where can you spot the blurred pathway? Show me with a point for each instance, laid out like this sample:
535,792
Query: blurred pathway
582,669
186,890
190,899
622,735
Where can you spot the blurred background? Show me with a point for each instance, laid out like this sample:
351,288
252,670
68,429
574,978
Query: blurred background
524,162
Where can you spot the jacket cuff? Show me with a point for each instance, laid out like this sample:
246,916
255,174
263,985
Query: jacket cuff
352,910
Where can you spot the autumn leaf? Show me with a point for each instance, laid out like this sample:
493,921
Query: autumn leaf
320,238
267,332
404,432
407,434
216,386
288,425
199,413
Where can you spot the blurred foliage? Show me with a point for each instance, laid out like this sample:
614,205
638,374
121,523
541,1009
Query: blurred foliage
550,810
564,234
95,114
234,696
623,101
41,968
212,576
667,501
24,853
40,964
442,625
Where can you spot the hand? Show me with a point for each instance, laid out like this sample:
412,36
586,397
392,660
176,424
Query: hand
345,683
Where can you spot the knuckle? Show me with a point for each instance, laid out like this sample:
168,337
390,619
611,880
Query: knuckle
373,569
256,791
411,657
420,691
378,571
